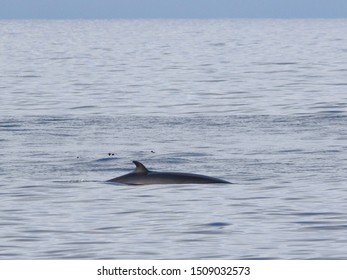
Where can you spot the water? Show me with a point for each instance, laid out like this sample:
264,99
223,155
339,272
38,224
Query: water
261,103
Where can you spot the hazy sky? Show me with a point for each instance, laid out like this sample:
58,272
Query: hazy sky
172,8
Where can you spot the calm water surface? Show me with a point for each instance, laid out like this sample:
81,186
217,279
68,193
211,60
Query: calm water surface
261,103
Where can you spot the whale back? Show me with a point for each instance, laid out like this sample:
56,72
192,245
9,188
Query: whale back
142,176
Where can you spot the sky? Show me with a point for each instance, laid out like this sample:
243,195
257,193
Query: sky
114,9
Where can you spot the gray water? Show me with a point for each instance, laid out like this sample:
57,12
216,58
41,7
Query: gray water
261,103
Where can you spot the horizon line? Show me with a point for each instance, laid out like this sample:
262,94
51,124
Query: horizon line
175,18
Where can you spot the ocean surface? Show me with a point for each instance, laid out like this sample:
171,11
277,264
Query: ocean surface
261,103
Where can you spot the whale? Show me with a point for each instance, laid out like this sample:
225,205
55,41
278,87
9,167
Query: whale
143,176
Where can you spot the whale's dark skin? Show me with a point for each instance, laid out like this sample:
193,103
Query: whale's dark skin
142,176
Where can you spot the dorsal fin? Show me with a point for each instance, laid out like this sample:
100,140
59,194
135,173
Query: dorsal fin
140,168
